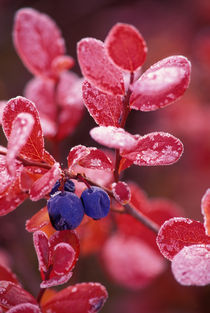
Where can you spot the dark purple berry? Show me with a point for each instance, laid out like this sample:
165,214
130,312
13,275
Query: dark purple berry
65,210
68,186
96,202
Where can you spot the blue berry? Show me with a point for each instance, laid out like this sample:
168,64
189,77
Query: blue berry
68,186
96,202
65,210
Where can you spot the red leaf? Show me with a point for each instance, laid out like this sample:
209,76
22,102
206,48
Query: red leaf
156,148
62,63
179,232
205,209
114,137
43,185
121,192
25,308
56,280
6,180
12,294
6,274
97,68
42,249
34,147
69,99
93,234
126,47
89,298
191,266
77,153
38,220
44,44
12,198
161,84
64,256
20,133
106,109
67,237
42,93
96,159
125,259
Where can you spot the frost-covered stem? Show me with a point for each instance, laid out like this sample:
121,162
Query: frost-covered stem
42,290
126,112
30,163
142,218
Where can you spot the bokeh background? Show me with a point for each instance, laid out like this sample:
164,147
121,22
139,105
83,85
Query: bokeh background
169,28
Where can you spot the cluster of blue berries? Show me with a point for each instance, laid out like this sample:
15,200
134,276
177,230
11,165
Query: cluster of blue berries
66,210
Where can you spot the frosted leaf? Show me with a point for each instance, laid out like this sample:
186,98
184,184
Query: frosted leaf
25,308
205,209
113,137
34,147
42,249
161,84
96,159
97,68
126,47
12,294
90,296
38,220
2,105
106,109
76,153
20,133
56,280
63,256
178,232
44,44
42,186
156,148
131,262
5,178
191,266
121,192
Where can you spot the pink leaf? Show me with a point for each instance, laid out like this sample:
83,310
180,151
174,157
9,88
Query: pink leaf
69,99
44,44
156,148
125,259
76,153
97,68
96,159
42,93
56,280
5,178
114,137
106,109
121,192
12,294
43,185
64,237
13,197
89,298
42,249
161,84
25,308
20,132
126,47
179,232
6,274
191,266
205,209
64,256
34,147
